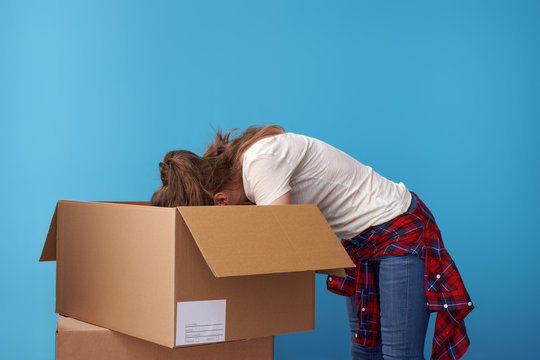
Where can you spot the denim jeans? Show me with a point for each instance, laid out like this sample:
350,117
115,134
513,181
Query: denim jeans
404,314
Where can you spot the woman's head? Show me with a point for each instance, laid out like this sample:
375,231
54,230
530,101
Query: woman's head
215,178
184,180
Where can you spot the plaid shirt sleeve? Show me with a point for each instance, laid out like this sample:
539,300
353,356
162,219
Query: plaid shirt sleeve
411,233
345,286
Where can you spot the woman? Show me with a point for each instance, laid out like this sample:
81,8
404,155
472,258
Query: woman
402,270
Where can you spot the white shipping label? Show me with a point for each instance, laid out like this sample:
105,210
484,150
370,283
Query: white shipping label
199,322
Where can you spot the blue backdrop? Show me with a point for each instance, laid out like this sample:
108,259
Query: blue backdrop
442,95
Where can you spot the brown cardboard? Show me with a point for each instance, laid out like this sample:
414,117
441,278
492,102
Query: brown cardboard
274,239
124,266
76,340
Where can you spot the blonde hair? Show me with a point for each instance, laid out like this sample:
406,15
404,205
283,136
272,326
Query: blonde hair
188,179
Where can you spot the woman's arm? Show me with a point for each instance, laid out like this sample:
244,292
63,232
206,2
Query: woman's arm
284,199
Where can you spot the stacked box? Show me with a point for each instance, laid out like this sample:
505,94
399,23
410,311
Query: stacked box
76,340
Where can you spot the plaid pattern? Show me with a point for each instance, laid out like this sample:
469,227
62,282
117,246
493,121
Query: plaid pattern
416,233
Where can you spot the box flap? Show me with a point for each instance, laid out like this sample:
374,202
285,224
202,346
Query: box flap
65,323
49,249
249,240
333,272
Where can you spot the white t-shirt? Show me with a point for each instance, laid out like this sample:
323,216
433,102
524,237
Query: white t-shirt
350,195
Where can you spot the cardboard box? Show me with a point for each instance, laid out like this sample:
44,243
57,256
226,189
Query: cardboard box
76,340
184,275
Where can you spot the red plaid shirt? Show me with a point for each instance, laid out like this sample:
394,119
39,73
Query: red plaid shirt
414,232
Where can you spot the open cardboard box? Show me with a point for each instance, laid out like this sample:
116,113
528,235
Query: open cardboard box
187,275
77,340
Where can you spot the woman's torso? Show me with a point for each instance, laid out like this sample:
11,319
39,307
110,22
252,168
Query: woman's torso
350,195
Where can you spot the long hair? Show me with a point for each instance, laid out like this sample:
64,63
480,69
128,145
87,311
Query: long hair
229,149
188,179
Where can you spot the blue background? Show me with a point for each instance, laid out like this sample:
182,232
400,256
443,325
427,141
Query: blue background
442,95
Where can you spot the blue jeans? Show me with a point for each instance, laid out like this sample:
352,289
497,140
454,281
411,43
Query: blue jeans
404,314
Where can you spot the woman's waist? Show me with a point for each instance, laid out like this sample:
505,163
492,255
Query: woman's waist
410,203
